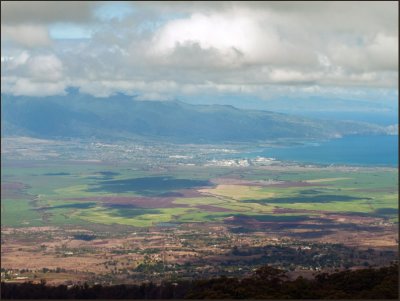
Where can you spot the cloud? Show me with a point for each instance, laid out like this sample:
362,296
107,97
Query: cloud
29,36
45,12
293,76
239,36
141,89
46,68
379,53
39,67
33,75
12,62
27,87
153,96
172,49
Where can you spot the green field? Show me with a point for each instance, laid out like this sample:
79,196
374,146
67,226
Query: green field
82,193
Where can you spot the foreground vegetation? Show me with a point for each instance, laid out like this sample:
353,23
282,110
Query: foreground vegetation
265,283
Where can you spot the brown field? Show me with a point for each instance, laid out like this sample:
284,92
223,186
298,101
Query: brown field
235,181
140,202
59,249
12,186
352,231
36,261
364,239
14,190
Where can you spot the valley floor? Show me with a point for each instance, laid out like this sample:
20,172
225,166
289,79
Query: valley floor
109,223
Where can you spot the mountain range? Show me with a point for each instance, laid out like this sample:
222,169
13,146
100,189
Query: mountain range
81,116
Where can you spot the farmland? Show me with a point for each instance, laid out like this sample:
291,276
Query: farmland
119,220
59,194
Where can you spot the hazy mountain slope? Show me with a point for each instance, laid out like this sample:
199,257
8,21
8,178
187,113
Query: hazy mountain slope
82,116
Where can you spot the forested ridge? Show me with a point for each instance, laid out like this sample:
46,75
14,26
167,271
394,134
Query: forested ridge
265,283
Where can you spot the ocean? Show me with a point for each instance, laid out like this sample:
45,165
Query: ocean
350,150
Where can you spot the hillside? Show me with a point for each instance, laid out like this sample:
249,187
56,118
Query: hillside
265,283
121,117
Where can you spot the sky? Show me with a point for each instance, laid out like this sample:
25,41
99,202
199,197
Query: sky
202,52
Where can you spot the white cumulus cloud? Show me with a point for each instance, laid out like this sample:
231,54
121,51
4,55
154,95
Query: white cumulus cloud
171,49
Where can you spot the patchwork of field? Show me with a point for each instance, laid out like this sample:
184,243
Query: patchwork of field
114,223
80,193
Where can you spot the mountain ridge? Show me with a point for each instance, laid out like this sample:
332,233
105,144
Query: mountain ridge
122,117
